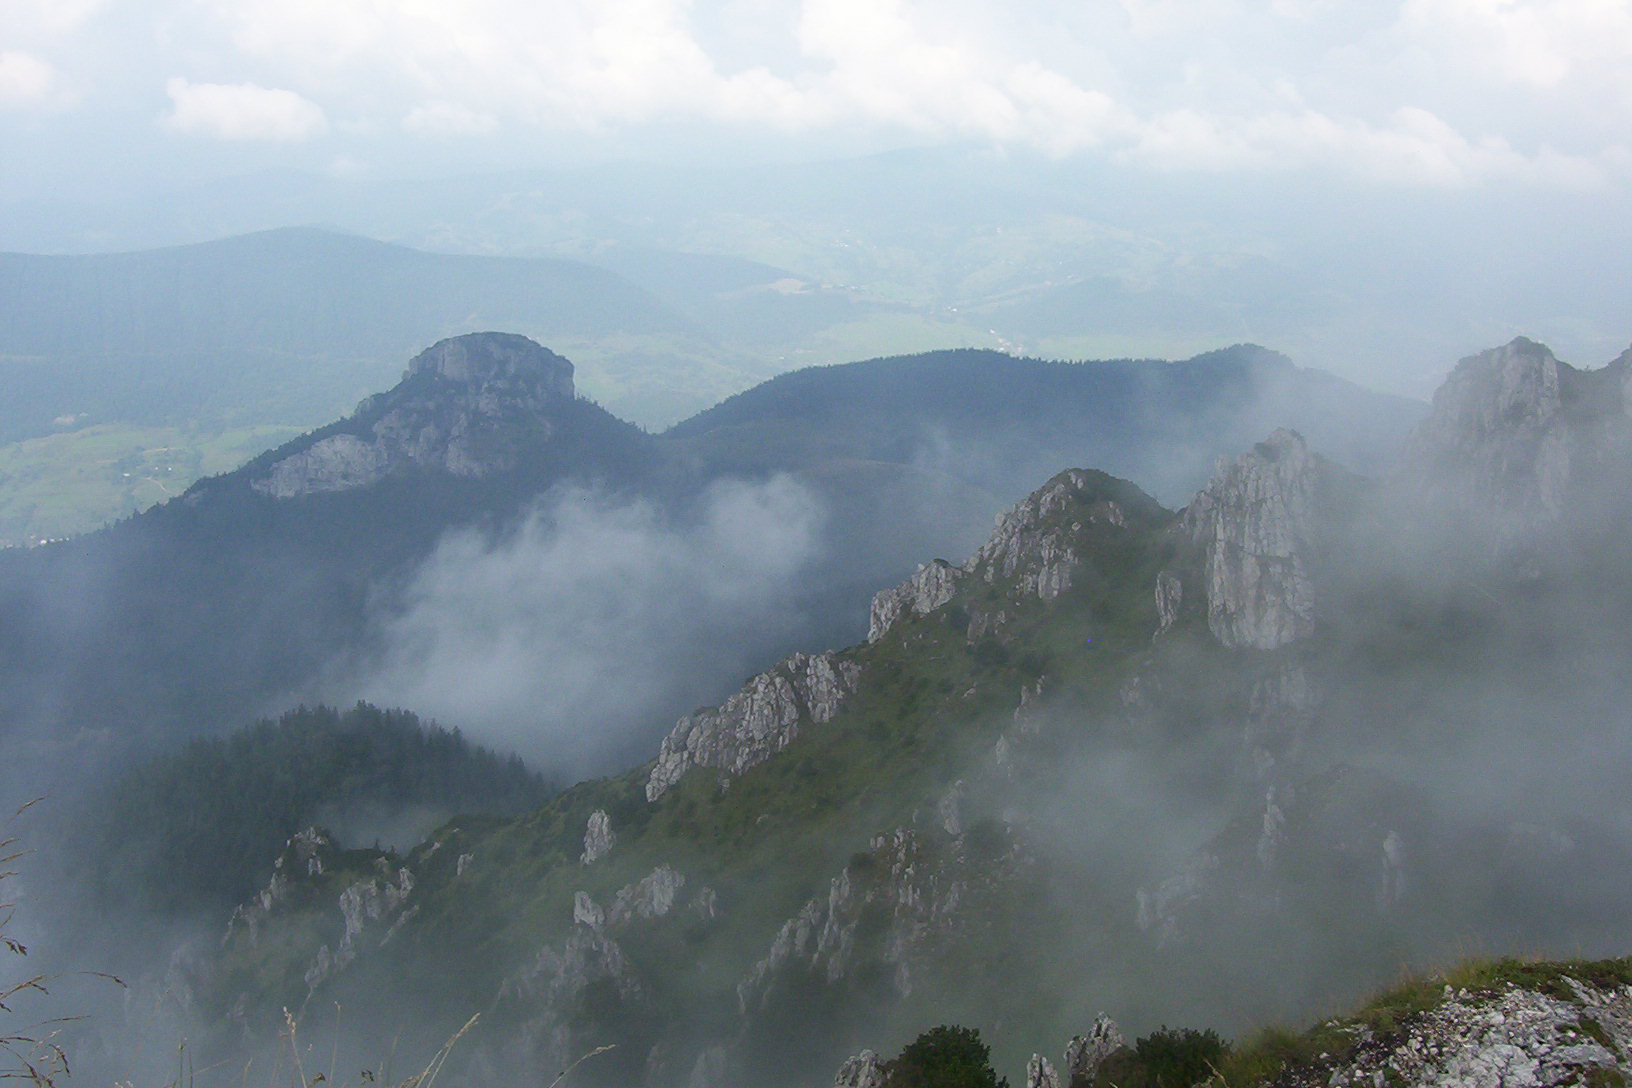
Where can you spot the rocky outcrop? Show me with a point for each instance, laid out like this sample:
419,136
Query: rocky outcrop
466,406
908,897
929,588
1084,1054
1517,438
598,837
1259,524
757,722
1169,596
1040,1073
1036,545
302,857
1033,545
548,995
1509,1036
364,906
863,1070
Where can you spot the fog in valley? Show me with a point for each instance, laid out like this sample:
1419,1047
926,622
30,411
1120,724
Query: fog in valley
569,639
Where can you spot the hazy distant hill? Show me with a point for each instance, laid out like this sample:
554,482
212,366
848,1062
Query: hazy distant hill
999,422
283,326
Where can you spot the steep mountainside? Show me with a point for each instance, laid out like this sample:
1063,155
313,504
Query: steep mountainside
243,594
1221,765
194,614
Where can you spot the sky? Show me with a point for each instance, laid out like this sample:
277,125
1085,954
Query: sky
1438,93
1376,188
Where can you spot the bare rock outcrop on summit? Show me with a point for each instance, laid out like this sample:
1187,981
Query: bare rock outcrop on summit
931,586
1084,1054
863,1070
1517,438
1031,544
1259,523
465,406
758,721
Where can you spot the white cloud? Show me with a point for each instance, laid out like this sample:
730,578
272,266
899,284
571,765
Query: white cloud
25,80
448,119
1171,84
49,17
578,639
1539,42
1414,148
242,111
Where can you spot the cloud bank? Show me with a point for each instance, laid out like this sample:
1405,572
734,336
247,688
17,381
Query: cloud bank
578,639
242,111
1419,92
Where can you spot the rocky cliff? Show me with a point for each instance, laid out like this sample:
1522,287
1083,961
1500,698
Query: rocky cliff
1517,439
467,406
757,722
1259,522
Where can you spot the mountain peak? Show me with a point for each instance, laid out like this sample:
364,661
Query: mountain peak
493,358
468,406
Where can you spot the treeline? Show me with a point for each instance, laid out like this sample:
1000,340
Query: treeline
199,828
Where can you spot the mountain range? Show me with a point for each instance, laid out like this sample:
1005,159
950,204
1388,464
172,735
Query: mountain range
1231,763
282,580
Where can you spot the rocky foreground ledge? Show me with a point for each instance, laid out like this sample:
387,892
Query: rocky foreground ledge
1506,1024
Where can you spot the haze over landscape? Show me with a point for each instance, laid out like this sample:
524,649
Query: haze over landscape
775,543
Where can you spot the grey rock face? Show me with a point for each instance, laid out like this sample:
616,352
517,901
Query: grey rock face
585,911
758,721
863,1070
1391,886
364,905
1159,910
652,896
1040,1073
598,837
466,406
1169,595
1041,556
918,897
931,586
1280,716
1084,1054
1511,1039
1497,423
1516,438
1029,544
1258,521
302,854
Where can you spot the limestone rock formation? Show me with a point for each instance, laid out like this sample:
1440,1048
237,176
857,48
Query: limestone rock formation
599,837
931,586
1510,1036
1259,523
1516,438
1040,1073
756,722
1084,1054
302,856
863,1070
911,897
1035,543
466,406
364,906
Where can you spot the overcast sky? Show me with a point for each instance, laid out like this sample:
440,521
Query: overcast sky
1532,93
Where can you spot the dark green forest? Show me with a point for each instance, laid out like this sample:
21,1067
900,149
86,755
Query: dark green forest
198,828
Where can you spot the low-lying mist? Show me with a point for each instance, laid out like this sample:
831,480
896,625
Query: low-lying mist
578,638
